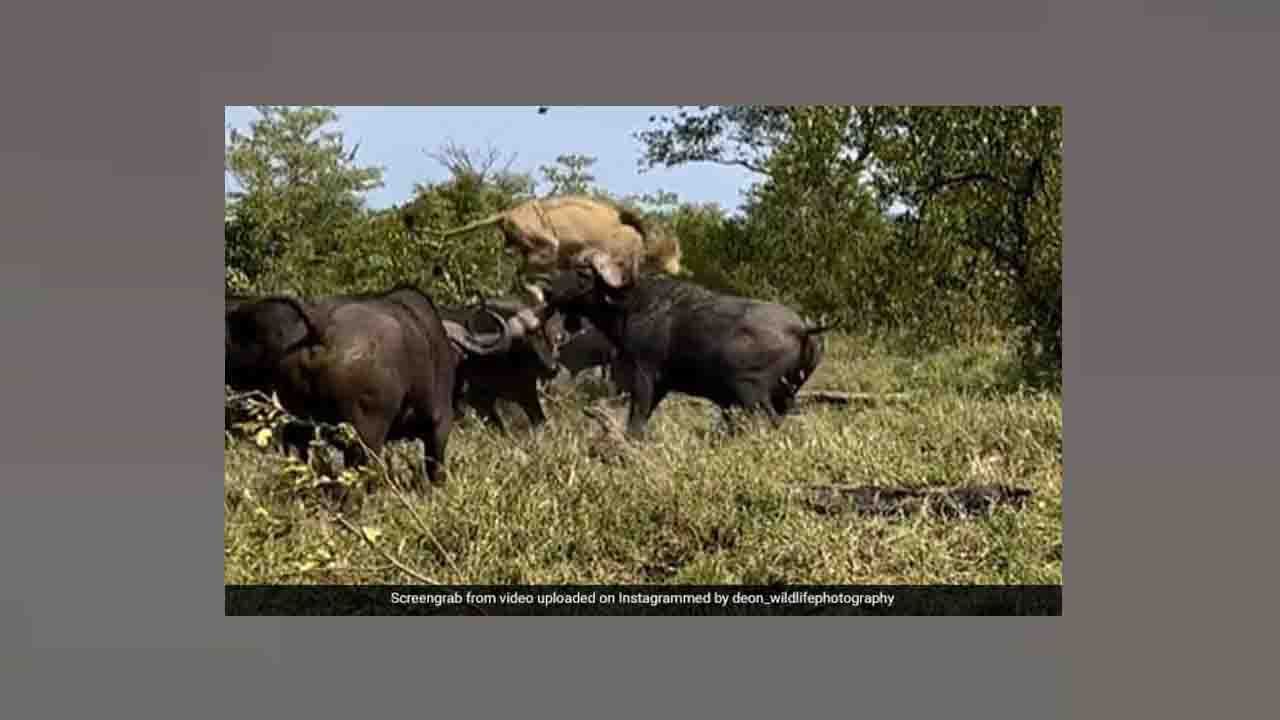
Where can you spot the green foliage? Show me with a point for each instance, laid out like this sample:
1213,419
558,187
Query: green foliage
570,175
353,248
972,251
299,197
742,135
712,246
811,218
463,267
990,179
931,226
978,249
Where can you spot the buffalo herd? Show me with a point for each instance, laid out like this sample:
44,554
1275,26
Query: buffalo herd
395,365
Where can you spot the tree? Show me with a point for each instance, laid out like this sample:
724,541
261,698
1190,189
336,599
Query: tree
809,213
980,228
991,178
481,182
741,135
298,189
748,135
570,175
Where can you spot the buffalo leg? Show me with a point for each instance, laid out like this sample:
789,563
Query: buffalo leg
784,401
372,425
641,404
434,441
373,433
354,456
646,394
620,376
755,399
771,412
295,440
764,402
532,406
459,398
487,407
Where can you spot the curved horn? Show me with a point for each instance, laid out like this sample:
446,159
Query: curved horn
480,343
530,326
522,323
524,319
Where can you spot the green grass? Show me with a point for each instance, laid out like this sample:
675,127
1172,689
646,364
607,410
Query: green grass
692,504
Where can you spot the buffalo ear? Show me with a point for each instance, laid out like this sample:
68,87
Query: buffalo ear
608,269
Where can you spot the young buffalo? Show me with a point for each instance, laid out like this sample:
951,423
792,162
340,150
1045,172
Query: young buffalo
589,348
513,375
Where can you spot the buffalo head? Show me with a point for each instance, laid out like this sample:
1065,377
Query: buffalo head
594,279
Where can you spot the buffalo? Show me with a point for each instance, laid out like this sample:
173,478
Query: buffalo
513,376
674,335
384,362
589,348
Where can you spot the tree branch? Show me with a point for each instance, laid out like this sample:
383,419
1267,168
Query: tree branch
1012,263
728,162
743,163
944,183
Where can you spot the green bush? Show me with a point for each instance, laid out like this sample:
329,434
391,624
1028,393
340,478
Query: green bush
973,251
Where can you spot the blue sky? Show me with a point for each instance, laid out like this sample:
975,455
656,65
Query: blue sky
398,138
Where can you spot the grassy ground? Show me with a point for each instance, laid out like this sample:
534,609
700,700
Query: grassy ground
695,504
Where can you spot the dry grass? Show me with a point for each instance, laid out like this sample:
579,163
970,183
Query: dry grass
572,504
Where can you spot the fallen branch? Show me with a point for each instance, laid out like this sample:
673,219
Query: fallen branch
836,397
953,502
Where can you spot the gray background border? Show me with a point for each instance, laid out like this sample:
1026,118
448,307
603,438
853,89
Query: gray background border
110,516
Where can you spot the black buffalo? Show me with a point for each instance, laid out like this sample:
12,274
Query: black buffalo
673,335
384,362
512,376
589,348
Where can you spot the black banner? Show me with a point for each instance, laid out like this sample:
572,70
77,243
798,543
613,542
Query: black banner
252,600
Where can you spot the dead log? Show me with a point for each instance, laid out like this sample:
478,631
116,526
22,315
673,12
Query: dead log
837,397
953,503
